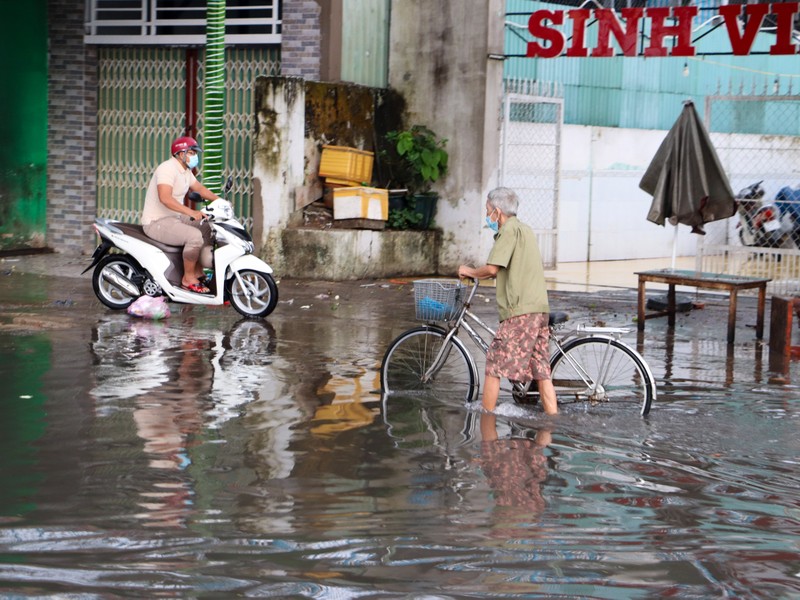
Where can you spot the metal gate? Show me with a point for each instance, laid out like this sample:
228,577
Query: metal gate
757,138
530,158
142,107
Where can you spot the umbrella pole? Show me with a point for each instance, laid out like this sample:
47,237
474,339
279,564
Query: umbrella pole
674,246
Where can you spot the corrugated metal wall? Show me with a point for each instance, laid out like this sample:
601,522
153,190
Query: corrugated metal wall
646,93
365,42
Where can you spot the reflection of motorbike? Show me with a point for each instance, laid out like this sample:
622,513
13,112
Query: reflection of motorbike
146,266
141,359
761,225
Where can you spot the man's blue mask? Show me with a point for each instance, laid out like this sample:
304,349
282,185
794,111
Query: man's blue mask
493,225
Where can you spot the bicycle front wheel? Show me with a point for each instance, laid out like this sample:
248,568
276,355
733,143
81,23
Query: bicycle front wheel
410,357
602,370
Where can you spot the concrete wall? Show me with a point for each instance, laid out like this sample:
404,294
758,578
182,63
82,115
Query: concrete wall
345,254
439,62
295,118
602,212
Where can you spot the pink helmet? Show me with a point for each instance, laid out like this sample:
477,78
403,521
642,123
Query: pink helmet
185,143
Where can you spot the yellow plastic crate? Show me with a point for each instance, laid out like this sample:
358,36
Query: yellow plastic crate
348,164
360,203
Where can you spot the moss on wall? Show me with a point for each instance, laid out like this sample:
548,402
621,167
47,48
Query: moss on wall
345,114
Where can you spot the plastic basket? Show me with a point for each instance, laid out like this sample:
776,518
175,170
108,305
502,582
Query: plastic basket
438,299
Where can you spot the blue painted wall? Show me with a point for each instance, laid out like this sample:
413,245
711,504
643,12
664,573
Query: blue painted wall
647,93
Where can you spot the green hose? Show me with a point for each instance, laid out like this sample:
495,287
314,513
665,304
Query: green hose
214,96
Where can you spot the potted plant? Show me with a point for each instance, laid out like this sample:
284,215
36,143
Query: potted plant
418,159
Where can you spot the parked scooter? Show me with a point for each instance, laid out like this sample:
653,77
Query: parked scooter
788,202
761,225
145,266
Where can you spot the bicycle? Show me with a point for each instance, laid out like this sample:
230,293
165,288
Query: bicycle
588,364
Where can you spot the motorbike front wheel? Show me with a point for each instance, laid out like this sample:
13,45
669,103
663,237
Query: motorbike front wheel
113,281
257,298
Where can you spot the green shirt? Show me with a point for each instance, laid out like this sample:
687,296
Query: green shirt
521,287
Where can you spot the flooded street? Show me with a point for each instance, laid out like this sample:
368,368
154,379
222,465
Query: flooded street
206,456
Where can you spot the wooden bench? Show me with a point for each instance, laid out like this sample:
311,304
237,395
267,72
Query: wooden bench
713,281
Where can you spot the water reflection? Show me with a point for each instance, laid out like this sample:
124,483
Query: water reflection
515,468
687,364
22,420
207,457
133,357
166,419
178,383
348,402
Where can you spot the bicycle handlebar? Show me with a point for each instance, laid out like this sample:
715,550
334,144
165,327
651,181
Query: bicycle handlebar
475,283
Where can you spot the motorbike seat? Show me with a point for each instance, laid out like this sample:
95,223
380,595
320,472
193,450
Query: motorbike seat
137,232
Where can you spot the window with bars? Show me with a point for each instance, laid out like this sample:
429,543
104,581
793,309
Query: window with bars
179,22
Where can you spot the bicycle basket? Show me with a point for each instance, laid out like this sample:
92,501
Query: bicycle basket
438,299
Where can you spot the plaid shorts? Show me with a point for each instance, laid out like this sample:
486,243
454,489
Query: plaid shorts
520,351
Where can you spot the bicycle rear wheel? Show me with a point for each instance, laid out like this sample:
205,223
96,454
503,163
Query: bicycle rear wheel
410,356
602,371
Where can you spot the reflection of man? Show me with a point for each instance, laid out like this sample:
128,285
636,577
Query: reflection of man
165,418
514,467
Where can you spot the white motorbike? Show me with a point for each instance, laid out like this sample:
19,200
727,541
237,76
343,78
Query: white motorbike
147,267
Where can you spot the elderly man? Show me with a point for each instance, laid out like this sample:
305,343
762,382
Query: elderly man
520,350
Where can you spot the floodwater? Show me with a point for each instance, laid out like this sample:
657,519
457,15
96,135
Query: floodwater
211,457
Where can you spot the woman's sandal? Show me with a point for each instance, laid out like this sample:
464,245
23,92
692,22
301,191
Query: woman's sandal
197,288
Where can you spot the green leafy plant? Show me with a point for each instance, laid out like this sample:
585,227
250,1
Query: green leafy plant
421,158
404,218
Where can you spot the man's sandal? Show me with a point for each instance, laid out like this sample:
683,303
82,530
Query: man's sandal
197,288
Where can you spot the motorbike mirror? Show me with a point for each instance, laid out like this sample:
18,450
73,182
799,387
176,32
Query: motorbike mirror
228,184
194,197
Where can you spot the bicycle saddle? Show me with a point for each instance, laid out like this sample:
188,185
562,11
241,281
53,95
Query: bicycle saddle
556,318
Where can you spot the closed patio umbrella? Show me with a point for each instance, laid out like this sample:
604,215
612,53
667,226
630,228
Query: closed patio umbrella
686,179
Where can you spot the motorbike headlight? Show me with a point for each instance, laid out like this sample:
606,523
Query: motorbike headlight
220,209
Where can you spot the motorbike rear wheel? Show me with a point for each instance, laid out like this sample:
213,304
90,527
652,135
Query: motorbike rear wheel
257,298
108,277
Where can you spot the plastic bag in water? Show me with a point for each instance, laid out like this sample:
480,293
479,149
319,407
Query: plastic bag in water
148,307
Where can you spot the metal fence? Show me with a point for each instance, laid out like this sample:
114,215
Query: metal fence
749,153
530,157
141,108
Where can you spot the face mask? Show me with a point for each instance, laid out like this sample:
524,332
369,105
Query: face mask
493,225
193,161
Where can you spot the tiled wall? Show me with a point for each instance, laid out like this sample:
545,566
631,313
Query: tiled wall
72,113
300,40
